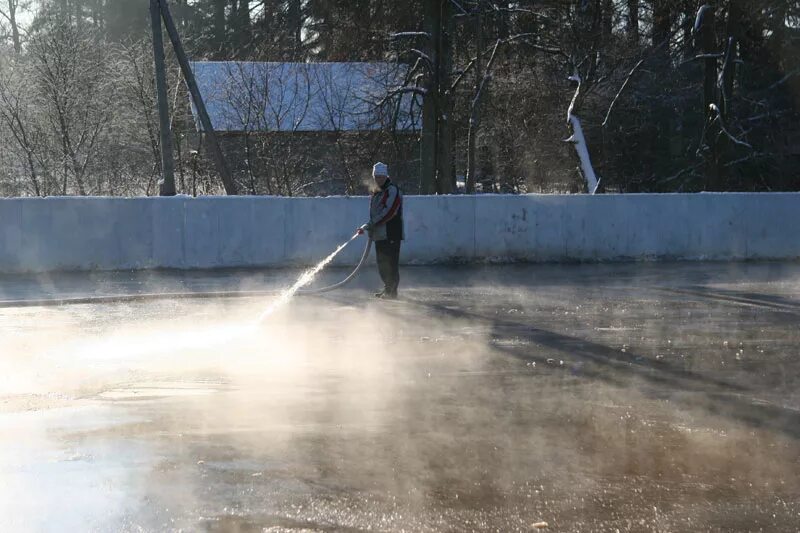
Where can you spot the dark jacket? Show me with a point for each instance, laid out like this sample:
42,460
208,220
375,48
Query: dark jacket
386,213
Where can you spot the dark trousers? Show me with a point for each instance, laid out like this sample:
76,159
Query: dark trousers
388,256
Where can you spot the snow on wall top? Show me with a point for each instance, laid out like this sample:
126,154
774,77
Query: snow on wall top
258,96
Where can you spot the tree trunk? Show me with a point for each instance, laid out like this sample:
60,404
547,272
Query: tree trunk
731,55
219,25
12,20
446,176
296,27
711,128
607,19
78,9
777,26
632,27
430,105
239,26
725,96
502,19
662,23
578,139
474,118
688,12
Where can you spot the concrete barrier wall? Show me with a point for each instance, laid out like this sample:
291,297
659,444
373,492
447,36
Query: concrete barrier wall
211,232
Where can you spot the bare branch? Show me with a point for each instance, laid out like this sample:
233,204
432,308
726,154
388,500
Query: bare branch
745,159
681,173
701,56
714,109
576,77
698,22
783,80
507,40
486,77
410,34
522,10
621,89
462,74
423,56
459,6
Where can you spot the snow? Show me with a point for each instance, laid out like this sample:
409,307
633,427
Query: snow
716,112
212,232
410,34
423,55
251,96
579,141
698,22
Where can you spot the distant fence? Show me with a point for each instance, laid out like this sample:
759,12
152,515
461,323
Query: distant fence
50,234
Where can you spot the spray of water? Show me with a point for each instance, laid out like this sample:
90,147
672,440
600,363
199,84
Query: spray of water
145,343
306,278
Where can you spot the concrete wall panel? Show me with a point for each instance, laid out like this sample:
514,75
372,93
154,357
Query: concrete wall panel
548,228
167,223
596,228
773,226
212,232
717,229
128,243
267,233
505,227
11,234
315,227
439,228
657,226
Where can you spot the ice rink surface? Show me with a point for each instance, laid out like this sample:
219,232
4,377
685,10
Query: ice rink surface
630,397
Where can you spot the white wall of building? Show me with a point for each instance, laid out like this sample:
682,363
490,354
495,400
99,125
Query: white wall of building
73,233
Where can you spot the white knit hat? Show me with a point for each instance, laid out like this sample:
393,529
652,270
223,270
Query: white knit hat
380,169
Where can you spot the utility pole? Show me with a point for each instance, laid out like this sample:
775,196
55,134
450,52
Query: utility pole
167,183
191,83
159,9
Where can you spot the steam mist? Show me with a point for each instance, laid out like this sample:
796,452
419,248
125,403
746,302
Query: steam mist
133,345
585,405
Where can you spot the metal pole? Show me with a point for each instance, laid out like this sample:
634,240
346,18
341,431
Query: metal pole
167,184
205,121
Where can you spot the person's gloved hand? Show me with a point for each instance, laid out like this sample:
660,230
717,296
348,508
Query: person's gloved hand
366,227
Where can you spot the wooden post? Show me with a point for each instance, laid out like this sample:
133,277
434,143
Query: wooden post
167,183
191,83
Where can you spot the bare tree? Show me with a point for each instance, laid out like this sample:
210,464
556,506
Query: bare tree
265,106
139,87
9,10
73,89
17,114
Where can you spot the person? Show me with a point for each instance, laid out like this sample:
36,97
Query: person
385,228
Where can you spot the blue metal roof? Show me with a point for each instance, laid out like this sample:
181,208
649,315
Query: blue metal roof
250,96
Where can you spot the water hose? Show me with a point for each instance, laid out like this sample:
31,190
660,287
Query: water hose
147,297
346,280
